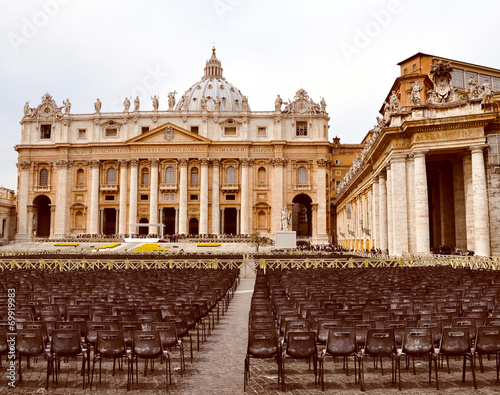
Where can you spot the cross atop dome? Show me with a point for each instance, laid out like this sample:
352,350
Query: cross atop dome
213,67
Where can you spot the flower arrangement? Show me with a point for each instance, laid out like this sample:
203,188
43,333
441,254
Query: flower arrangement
150,247
113,245
208,245
66,244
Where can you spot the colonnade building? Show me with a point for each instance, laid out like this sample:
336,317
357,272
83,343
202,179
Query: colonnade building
429,173
207,164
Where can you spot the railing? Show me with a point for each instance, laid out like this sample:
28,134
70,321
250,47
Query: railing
248,265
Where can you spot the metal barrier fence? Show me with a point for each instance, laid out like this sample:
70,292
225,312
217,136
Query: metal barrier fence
247,265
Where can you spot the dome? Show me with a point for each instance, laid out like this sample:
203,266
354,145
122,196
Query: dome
213,91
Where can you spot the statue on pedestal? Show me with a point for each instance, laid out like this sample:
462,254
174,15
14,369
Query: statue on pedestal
286,219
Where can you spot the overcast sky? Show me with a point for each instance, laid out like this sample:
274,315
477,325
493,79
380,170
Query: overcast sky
344,51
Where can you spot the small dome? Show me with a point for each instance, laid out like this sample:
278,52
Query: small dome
213,91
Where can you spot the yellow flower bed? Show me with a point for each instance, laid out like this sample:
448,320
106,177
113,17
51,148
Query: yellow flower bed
150,247
66,244
208,245
113,245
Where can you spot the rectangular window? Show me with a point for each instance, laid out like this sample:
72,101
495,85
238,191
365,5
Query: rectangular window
145,129
495,84
338,161
230,197
230,131
195,129
144,197
338,173
45,132
193,197
301,129
111,132
82,133
406,71
457,78
494,149
261,131
414,67
109,197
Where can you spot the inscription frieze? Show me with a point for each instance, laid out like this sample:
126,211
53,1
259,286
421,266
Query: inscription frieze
448,135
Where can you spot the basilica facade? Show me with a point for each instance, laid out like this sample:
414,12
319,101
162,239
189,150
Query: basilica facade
428,178
207,164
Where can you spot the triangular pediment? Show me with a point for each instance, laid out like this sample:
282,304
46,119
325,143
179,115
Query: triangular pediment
168,133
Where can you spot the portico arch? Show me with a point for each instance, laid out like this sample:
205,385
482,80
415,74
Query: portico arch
302,215
41,216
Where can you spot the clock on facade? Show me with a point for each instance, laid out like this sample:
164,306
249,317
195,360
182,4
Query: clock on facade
301,105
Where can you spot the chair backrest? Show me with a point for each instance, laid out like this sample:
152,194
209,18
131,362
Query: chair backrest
39,325
262,343
146,344
110,343
463,322
455,341
29,342
435,326
299,325
93,327
488,340
341,341
380,342
324,326
168,333
492,321
66,342
301,344
418,341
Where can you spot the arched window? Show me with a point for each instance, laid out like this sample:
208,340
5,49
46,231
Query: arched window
261,176
145,177
302,176
194,176
170,175
80,177
44,178
111,176
230,175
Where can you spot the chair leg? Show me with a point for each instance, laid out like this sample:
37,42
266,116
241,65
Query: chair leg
473,373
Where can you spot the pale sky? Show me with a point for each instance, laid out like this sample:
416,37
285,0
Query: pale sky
344,51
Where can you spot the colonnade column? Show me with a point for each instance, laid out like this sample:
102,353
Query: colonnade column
382,205
390,234
132,217
469,203
22,230
278,193
61,197
94,198
322,209
375,213
399,201
480,197
122,219
215,196
245,163
183,165
153,197
203,229
421,204
459,198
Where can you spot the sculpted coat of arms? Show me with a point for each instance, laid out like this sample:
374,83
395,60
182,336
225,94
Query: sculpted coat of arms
168,133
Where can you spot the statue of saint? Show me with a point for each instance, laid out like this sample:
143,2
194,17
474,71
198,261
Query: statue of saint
323,105
171,100
97,105
415,94
156,102
137,103
393,102
244,103
26,108
487,93
286,219
474,88
278,103
203,103
216,103
126,104
67,106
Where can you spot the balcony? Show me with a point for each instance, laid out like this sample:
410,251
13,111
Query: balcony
230,187
261,186
42,189
168,187
302,187
80,187
109,188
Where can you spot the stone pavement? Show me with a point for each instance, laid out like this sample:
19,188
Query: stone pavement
218,369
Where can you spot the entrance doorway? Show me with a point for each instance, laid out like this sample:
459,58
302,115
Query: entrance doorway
230,221
169,220
42,220
143,230
193,226
109,221
302,216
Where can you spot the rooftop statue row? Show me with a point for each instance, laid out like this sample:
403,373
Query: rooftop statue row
302,104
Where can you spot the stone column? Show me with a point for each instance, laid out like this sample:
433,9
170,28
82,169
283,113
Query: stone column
421,204
238,221
31,223
203,229
153,196
459,199
410,193
24,187
277,193
469,205
215,196
94,198
52,216
399,202
383,234
245,163
183,195
176,220
61,197
390,228
122,219
321,196
132,217
480,197
375,214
